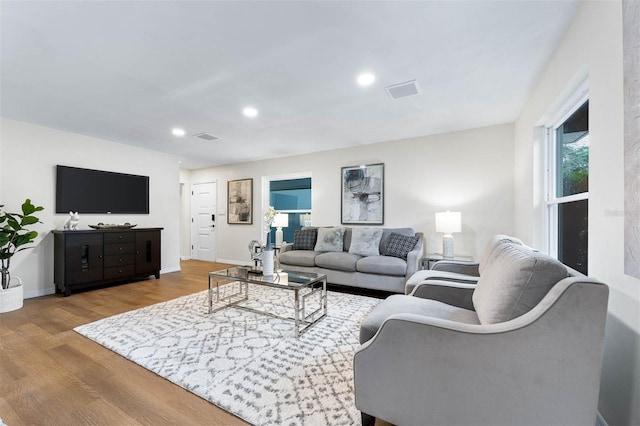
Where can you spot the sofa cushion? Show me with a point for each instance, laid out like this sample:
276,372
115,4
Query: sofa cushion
398,245
329,239
382,265
298,257
398,303
340,261
514,282
365,241
305,238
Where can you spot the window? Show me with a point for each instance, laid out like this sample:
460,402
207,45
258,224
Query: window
568,192
293,197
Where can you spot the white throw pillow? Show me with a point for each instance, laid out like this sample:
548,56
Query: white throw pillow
365,241
330,239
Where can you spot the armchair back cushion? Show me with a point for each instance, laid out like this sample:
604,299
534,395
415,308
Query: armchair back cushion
514,282
489,249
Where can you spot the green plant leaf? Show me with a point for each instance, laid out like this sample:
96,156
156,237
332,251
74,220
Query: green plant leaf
28,207
29,220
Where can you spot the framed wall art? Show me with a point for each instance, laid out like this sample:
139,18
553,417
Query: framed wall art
631,54
240,202
362,195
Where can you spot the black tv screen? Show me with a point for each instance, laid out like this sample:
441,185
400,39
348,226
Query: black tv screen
96,191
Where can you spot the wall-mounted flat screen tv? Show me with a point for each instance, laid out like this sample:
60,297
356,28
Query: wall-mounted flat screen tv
97,191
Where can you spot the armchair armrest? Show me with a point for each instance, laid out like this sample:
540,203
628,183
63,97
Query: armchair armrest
449,292
286,247
426,370
457,267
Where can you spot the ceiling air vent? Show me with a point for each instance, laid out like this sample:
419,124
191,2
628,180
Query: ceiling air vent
206,136
402,90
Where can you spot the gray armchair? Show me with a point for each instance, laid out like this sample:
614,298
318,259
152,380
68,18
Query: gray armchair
523,346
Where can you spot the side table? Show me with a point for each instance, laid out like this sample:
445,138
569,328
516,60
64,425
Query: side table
429,259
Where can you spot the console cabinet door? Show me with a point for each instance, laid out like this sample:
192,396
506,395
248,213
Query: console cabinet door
148,252
84,260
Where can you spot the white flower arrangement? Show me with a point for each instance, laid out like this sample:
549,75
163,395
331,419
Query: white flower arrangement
269,216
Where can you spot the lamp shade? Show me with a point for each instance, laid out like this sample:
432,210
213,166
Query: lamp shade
448,222
281,220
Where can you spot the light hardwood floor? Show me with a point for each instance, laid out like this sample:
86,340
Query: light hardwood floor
51,375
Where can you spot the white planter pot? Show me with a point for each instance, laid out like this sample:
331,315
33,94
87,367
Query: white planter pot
12,298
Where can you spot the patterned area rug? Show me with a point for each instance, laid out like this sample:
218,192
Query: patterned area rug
246,363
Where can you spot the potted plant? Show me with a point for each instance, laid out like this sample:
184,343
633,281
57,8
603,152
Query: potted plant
14,236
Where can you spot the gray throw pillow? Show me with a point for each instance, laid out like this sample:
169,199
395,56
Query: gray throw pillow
329,239
305,238
398,245
365,241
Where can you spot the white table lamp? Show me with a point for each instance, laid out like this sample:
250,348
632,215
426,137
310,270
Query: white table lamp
281,220
448,223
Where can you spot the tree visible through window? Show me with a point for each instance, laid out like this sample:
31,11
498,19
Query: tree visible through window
568,200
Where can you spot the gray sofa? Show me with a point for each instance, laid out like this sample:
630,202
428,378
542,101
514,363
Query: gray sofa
523,346
377,271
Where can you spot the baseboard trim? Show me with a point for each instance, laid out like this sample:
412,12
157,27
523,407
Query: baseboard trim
600,420
40,292
185,257
169,270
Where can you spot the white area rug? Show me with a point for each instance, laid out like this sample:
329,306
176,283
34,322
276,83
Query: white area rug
246,363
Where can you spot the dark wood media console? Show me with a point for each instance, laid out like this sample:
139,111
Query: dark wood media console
91,258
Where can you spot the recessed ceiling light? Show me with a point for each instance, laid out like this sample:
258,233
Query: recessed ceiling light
178,132
366,79
250,112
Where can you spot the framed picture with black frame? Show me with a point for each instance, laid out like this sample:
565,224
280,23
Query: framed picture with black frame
362,195
240,202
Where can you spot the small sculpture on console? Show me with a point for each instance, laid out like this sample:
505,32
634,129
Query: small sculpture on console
72,222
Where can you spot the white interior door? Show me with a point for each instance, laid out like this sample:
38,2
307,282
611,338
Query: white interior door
203,221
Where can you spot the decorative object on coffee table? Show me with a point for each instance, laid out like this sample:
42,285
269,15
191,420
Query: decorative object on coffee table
267,253
363,195
14,235
240,202
448,223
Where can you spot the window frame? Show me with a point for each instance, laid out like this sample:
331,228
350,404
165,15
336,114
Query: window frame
552,201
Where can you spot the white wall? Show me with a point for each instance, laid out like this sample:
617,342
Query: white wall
470,171
29,156
592,47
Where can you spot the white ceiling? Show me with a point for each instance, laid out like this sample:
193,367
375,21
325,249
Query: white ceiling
130,71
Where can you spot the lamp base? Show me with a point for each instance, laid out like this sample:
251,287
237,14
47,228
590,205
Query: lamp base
447,246
279,237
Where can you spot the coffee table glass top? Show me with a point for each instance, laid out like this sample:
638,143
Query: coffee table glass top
284,278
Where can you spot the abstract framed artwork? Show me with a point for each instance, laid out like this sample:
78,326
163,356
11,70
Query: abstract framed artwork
631,67
362,195
240,202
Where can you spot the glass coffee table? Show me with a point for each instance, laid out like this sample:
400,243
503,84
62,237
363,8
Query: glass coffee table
306,286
